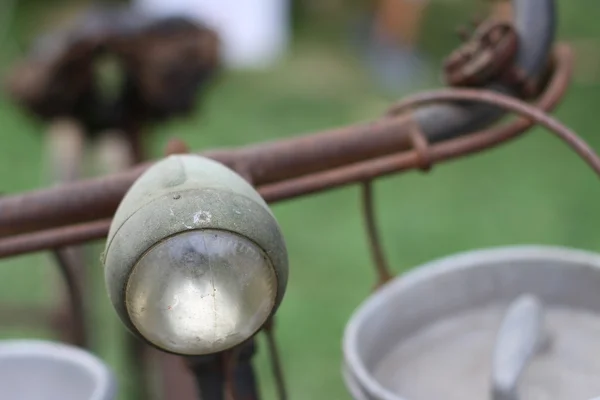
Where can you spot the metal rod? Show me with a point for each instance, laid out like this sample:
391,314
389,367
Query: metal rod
98,198
285,159
213,373
210,377
43,240
273,162
66,204
554,126
68,263
443,151
242,378
177,381
382,267
272,193
66,146
137,354
275,359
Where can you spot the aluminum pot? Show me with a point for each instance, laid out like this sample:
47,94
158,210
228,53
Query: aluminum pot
43,370
503,324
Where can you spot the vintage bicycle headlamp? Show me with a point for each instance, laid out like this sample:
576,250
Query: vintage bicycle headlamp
195,262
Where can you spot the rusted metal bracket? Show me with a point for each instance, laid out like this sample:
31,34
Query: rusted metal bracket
488,55
484,56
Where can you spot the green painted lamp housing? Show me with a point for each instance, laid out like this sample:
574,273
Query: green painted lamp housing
195,262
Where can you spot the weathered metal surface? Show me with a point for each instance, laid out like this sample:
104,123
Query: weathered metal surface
96,198
229,204
44,240
534,22
446,344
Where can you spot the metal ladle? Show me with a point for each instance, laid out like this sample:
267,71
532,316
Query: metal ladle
520,338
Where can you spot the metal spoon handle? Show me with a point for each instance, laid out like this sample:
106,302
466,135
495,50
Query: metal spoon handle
519,338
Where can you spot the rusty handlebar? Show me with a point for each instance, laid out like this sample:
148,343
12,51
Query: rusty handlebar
80,211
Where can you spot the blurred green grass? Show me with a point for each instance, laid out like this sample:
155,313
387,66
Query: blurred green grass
533,190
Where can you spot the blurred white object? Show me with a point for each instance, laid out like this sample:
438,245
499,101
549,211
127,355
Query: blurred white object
254,33
44,370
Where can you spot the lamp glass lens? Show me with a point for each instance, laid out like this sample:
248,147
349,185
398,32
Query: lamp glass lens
201,292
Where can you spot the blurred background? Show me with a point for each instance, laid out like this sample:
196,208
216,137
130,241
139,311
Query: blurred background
299,66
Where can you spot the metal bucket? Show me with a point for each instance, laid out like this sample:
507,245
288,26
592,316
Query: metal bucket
41,370
503,324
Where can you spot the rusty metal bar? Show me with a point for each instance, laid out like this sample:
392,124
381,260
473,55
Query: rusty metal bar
382,267
116,185
275,359
285,159
66,146
570,138
98,198
273,162
293,158
177,381
75,234
72,273
444,151
69,203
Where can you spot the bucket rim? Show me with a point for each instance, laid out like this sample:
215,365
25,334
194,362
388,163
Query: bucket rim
423,272
102,376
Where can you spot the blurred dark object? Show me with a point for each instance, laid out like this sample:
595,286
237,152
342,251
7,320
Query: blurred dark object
161,66
56,86
57,78
166,64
